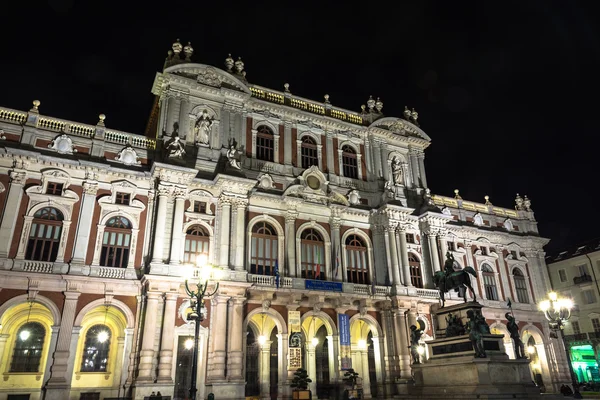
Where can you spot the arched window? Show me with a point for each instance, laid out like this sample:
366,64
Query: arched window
309,152
520,286
349,162
312,256
489,282
416,279
116,242
357,267
263,255
96,348
44,236
197,241
29,344
265,144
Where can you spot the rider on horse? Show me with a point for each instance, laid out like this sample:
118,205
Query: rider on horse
449,265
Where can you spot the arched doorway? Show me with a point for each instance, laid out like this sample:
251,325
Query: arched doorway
274,364
534,365
322,363
371,362
366,354
252,367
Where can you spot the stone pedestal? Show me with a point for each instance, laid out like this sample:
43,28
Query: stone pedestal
459,310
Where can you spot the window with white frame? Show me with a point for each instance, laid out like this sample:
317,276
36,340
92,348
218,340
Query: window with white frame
265,144
197,241
589,297
562,275
583,270
575,327
357,266
596,324
116,243
416,278
44,235
489,282
27,353
309,153
520,286
312,256
349,162
263,247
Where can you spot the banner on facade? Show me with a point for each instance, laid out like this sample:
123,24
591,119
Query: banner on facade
345,349
295,341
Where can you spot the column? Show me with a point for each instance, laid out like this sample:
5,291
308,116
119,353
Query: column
311,367
377,157
184,120
59,383
9,218
216,368
166,345
503,272
235,352
368,160
386,238
147,352
389,344
383,160
224,237
287,150
404,256
364,358
3,339
330,152
171,112
414,168
290,242
265,370
159,227
421,159
401,331
443,247
394,255
470,261
337,274
148,229
240,227
176,235
133,354
433,251
82,236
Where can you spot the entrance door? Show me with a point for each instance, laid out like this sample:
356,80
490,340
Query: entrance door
322,361
274,364
183,368
371,360
252,372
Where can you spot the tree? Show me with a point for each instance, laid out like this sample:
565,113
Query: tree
351,378
301,380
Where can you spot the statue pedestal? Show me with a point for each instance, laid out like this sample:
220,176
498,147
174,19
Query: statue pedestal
466,377
458,310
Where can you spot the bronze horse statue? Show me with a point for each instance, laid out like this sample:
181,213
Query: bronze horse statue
449,279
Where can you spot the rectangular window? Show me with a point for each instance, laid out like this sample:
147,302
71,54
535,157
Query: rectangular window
575,326
514,255
18,397
122,198
484,251
589,297
410,238
596,324
583,269
200,207
54,188
562,274
451,246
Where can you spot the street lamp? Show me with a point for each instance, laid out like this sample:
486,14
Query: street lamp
198,311
558,311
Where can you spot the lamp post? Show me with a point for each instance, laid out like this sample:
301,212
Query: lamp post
558,311
197,315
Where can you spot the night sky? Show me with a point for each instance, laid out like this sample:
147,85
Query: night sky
506,90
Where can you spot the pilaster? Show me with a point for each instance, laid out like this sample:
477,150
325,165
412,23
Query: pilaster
177,234
161,216
13,202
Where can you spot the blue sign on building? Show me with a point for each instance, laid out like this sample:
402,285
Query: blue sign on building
323,285
344,327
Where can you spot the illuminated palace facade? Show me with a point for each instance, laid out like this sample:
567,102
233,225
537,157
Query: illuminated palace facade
304,208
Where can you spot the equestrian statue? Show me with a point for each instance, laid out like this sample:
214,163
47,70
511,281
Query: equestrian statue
449,279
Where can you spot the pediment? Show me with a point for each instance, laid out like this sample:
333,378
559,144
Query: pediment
208,75
400,127
311,186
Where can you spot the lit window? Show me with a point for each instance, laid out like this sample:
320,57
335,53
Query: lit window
312,255
96,349
451,246
29,344
116,243
357,267
263,249
410,238
265,144
349,162
197,241
44,236
200,207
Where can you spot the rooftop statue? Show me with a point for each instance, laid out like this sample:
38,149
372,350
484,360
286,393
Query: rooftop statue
449,279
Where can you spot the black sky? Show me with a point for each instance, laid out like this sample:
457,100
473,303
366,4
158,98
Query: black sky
506,90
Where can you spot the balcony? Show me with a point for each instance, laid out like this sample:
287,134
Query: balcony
576,337
594,335
582,279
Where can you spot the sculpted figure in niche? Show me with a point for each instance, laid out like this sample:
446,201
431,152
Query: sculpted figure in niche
176,147
397,171
202,129
232,157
